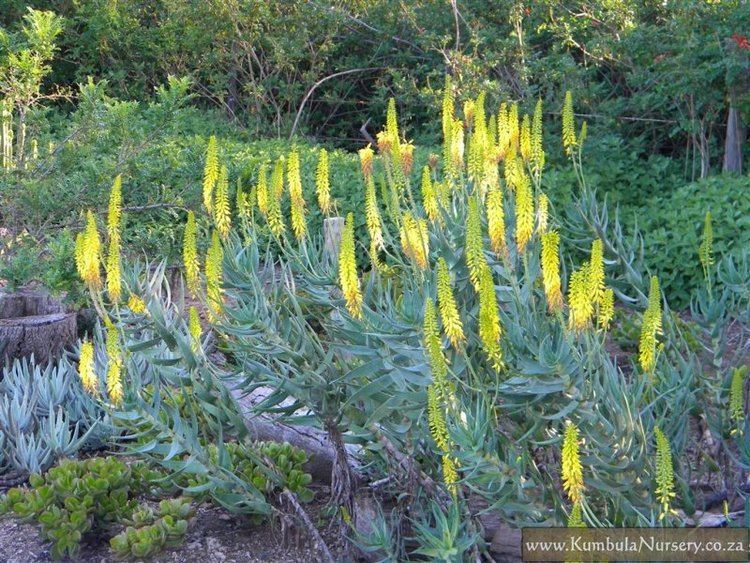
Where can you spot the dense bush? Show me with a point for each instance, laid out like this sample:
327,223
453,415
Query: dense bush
674,223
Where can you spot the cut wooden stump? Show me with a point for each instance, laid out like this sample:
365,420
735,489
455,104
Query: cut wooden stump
34,323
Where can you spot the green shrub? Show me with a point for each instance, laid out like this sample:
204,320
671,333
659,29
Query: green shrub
673,225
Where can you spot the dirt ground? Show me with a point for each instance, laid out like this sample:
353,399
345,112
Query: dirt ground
214,536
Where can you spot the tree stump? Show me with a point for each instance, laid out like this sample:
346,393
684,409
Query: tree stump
34,323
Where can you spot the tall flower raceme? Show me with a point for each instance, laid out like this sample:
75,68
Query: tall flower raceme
490,329
439,394
477,141
664,474
190,255
572,470
568,124
606,309
114,226
449,314
323,184
366,158
524,141
299,225
524,212
274,217
551,270
496,220
705,251
473,249
406,158
429,196
448,110
86,369
542,213
514,132
596,272
137,305
261,190
580,306
503,132
242,202
114,364
575,520
194,329
651,326
214,273
415,240
537,146
457,150
88,253
372,215
348,278
737,395
210,173
221,212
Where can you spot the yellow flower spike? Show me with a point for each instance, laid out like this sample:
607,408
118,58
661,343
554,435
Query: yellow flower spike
503,133
542,213
575,520
606,309
190,255
384,143
372,215
210,173
299,225
406,157
137,305
243,203
366,156
323,184
572,470
415,240
457,149
86,370
525,139
580,305
429,196
551,270
391,125
664,474
449,314
114,367
584,133
222,213
436,419
596,272
496,221
524,212
490,330
478,140
348,270
450,474
537,148
80,254
513,129
214,273
469,111
705,251
114,220
448,109
274,218
261,190
475,260
650,327
434,349
89,253
568,124
737,395
194,328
